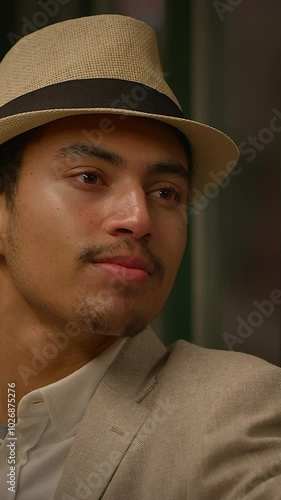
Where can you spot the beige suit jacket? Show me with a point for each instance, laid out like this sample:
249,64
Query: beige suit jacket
179,423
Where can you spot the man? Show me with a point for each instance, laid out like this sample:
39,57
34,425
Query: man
97,169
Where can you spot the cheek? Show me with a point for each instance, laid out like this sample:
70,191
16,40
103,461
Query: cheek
174,243
44,230
61,216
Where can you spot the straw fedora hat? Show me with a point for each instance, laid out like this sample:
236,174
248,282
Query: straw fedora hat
106,64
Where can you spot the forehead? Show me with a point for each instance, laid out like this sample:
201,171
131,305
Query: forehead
115,130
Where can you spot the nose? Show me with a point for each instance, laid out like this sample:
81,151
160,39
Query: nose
129,214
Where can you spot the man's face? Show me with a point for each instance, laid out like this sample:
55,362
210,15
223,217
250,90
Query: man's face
81,200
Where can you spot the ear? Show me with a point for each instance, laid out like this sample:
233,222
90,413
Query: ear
4,215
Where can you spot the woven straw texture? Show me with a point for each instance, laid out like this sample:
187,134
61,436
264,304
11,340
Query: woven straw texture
89,47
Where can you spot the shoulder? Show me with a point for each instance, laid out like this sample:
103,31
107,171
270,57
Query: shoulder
222,409
229,375
188,357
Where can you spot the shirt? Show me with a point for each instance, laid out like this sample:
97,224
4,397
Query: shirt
47,422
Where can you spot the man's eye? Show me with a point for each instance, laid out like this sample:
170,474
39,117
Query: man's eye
168,193
88,177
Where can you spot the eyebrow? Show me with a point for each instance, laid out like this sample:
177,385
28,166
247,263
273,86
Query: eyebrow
91,151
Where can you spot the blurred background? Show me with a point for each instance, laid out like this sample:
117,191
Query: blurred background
222,59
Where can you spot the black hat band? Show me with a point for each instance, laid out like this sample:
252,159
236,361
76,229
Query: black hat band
94,93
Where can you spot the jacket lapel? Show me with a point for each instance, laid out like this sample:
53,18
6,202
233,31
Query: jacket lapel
112,420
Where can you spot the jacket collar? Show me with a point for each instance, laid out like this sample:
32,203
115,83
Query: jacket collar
112,420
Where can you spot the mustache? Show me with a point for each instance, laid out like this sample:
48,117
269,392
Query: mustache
92,252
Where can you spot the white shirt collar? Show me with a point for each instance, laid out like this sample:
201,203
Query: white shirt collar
66,400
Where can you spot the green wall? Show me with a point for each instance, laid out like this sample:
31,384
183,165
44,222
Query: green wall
177,311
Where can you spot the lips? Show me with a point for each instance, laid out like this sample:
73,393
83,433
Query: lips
127,261
125,268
